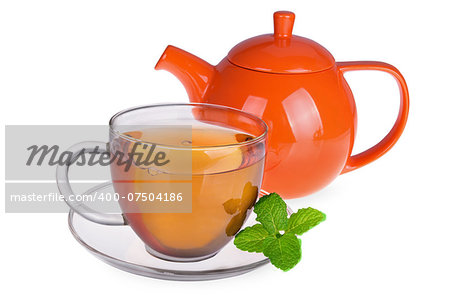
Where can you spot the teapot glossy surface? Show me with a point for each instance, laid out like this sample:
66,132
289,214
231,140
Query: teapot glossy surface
297,88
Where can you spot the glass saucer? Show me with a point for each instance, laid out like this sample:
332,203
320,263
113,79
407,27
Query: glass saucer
120,247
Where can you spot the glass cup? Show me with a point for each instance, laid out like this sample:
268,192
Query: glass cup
185,176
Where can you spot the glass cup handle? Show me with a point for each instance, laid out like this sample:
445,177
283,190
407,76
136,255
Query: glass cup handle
62,180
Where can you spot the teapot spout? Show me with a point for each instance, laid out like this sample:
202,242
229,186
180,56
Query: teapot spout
194,73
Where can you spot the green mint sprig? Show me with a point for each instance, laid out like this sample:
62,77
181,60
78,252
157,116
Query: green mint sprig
276,235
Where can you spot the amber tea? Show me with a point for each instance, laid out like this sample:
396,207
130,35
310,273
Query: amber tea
224,181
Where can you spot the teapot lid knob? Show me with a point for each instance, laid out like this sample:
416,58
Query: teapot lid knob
283,22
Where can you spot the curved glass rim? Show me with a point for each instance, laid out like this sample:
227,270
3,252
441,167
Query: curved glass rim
257,139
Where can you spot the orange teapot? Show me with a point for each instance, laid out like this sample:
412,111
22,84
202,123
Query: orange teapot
295,85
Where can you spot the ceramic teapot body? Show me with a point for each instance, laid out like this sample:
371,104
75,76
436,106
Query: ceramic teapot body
311,128
311,114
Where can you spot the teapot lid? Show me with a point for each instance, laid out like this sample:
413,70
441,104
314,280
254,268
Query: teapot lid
281,52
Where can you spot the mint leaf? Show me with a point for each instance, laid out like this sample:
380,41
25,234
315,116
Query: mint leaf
251,239
304,219
283,249
284,252
271,212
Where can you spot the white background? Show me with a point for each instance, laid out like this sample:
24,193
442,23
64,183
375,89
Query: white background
387,232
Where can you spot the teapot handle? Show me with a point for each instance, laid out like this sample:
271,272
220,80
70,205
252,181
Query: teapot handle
356,161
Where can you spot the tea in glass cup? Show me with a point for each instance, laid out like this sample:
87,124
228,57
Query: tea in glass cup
196,169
